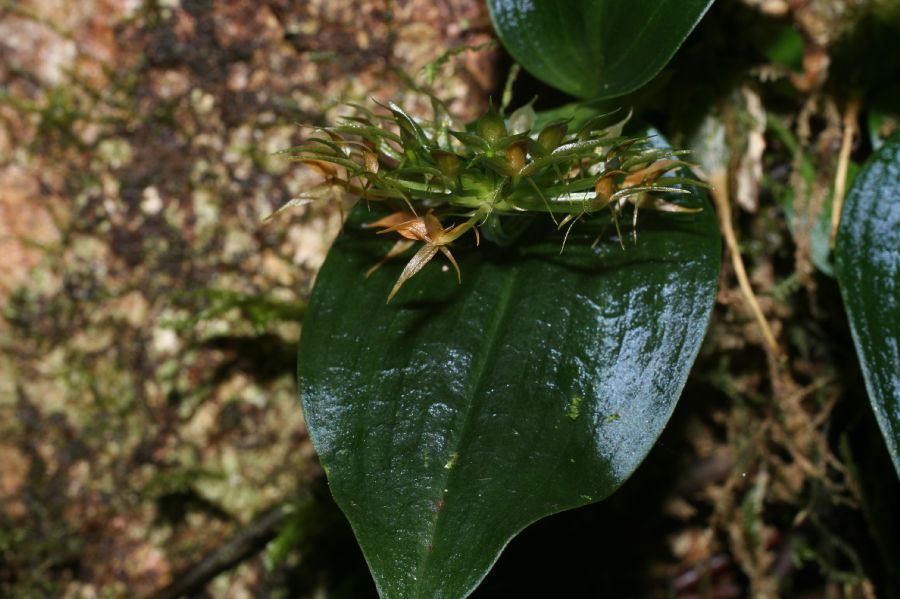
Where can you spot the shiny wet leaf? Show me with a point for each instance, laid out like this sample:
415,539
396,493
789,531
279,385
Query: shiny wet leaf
867,264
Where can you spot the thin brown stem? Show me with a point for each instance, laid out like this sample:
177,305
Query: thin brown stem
721,198
851,117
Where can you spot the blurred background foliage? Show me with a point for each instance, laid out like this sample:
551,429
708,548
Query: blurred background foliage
151,442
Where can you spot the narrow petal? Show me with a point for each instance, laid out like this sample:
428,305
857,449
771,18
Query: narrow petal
319,192
652,173
452,260
412,229
433,227
401,246
326,169
422,257
392,220
661,205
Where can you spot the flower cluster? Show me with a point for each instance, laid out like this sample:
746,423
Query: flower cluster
495,167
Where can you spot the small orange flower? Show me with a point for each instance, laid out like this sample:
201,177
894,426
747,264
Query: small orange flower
428,230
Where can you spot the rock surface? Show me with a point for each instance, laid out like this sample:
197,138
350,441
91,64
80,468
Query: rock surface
147,398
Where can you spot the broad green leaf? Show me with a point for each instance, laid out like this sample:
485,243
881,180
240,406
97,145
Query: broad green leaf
455,416
867,261
595,48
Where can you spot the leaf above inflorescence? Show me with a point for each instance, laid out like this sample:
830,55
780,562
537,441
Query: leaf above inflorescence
595,48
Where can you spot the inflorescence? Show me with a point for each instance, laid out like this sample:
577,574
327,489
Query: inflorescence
436,172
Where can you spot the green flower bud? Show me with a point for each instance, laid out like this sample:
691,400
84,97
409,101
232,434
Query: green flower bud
552,136
491,126
447,162
515,156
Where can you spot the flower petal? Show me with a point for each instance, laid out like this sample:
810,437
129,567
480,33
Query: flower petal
398,248
422,257
452,260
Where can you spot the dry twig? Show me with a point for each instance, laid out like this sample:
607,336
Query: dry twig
851,116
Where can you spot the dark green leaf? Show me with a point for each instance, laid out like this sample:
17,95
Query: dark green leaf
867,262
455,416
595,48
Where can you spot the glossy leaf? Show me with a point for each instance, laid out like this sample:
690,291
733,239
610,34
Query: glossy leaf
595,48
453,417
867,256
